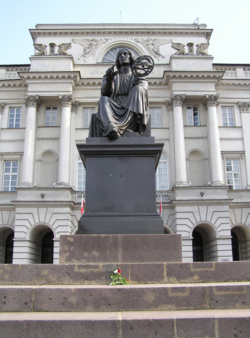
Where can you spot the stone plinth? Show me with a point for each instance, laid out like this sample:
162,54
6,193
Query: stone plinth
110,249
120,186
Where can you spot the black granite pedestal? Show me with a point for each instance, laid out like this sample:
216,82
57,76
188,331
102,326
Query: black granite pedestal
120,186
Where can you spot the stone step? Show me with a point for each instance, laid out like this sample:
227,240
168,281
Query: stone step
92,298
144,273
146,324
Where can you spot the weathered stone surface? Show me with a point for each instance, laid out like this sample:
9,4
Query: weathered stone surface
149,273
167,324
120,248
125,298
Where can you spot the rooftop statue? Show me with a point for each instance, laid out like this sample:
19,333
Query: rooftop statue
123,105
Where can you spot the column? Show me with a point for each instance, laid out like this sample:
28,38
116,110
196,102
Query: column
64,153
179,142
2,105
29,141
245,120
214,140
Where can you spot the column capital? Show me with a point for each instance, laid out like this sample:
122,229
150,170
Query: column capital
177,100
244,107
169,104
66,100
32,101
2,105
74,106
211,100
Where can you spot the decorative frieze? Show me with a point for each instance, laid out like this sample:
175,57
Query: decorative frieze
32,101
153,45
211,100
244,107
66,100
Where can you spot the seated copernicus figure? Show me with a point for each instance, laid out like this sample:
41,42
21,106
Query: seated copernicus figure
124,102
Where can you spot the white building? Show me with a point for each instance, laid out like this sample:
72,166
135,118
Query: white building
199,110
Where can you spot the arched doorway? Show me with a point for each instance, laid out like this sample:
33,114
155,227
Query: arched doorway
204,243
235,246
6,245
198,255
9,249
47,248
240,235
42,248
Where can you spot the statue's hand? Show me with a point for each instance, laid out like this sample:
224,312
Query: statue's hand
110,73
137,81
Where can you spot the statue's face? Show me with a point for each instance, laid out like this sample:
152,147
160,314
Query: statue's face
124,57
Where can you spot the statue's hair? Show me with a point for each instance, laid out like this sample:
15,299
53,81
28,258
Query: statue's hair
132,57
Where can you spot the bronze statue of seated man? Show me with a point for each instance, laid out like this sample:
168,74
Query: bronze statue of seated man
123,105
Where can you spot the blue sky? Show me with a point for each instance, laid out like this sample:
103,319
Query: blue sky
229,20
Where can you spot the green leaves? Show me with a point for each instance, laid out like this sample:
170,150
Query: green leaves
117,279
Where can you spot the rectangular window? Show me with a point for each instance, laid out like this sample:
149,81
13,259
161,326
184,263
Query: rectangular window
10,175
228,116
81,176
50,117
87,112
161,175
156,118
233,174
193,116
14,117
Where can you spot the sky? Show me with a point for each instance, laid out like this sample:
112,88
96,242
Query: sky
228,19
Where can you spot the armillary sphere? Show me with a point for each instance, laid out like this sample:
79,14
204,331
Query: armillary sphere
143,66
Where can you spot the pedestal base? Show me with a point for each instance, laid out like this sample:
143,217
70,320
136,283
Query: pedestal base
110,249
120,186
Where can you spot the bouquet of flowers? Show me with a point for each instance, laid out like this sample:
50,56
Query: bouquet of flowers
117,279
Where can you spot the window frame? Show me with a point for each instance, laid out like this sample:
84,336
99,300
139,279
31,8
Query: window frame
154,120
15,123
87,110
51,122
227,124
193,123
159,184
83,174
233,178
10,173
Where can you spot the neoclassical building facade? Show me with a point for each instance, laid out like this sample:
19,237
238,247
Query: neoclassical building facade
199,110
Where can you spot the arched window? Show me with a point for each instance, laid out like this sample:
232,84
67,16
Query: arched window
9,249
161,175
110,56
47,249
81,175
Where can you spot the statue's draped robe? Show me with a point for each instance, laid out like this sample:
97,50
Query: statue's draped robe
123,106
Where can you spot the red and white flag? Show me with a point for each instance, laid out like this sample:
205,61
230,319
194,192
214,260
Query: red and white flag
82,205
161,203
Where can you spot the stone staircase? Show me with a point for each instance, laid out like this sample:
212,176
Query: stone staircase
163,299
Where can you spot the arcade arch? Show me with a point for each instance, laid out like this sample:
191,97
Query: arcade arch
204,243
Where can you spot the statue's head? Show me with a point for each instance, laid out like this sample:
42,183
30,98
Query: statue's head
131,56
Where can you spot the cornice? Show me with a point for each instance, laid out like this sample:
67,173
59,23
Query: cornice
120,29
234,82
72,75
12,83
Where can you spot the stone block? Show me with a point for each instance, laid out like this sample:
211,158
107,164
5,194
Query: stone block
95,249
